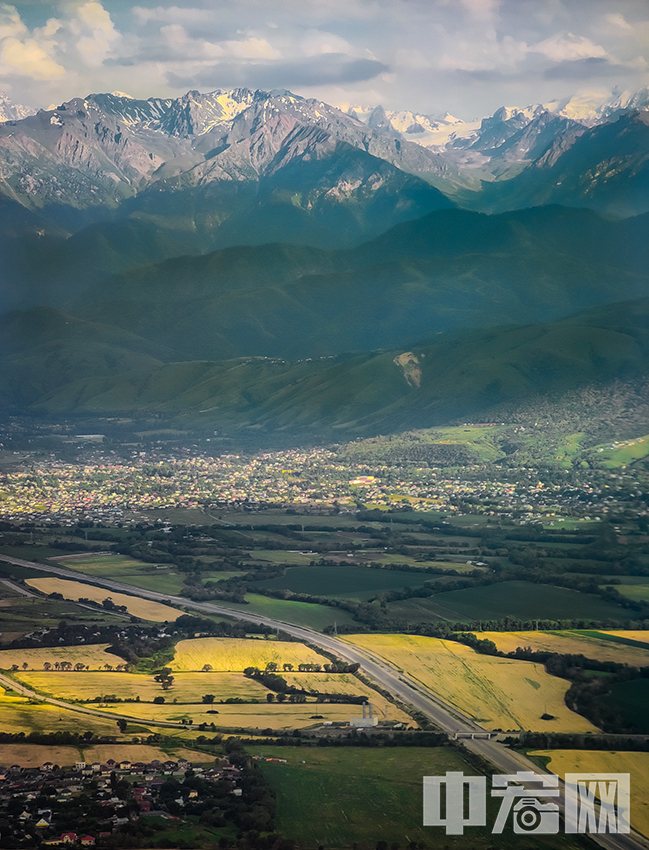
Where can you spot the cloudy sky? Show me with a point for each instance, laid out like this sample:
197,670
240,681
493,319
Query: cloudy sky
465,56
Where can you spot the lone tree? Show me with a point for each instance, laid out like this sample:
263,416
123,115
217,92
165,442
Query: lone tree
164,678
208,698
121,724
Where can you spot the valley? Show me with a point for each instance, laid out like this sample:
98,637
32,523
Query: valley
324,461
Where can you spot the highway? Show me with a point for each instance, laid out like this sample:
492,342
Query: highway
396,682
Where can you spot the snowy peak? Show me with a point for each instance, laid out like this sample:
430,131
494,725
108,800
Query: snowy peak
428,131
10,111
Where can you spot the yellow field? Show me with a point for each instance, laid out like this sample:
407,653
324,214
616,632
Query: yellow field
632,634
571,643
140,752
143,608
345,683
33,755
587,761
94,656
262,716
498,693
232,655
19,715
187,687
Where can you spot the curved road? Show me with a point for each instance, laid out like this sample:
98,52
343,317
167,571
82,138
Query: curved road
398,683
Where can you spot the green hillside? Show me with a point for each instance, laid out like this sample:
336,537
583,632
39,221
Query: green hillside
463,375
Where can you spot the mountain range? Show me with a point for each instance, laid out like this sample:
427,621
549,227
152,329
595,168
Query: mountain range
262,259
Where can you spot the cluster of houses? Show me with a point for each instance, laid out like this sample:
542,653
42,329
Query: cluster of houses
29,784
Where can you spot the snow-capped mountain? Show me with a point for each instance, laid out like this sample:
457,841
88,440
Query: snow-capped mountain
435,132
445,132
10,111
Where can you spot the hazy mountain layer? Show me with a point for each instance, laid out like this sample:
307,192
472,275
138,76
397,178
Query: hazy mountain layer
454,375
448,270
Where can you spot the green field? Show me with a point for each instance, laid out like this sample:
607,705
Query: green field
102,564
634,591
343,582
518,599
300,613
621,453
631,700
354,797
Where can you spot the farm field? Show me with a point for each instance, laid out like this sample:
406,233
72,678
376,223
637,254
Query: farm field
352,796
18,614
256,716
630,634
570,643
101,564
186,688
93,656
142,752
522,600
588,761
347,683
343,582
34,755
631,699
301,613
20,715
233,655
143,608
499,693
637,592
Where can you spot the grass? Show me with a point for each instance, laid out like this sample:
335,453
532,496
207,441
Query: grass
300,613
355,797
590,644
586,761
343,582
499,693
233,655
187,687
522,600
143,608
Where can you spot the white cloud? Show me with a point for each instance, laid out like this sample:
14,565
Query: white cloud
615,19
172,14
568,47
29,59
250,48
316,42
98,36
10,22
22,54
